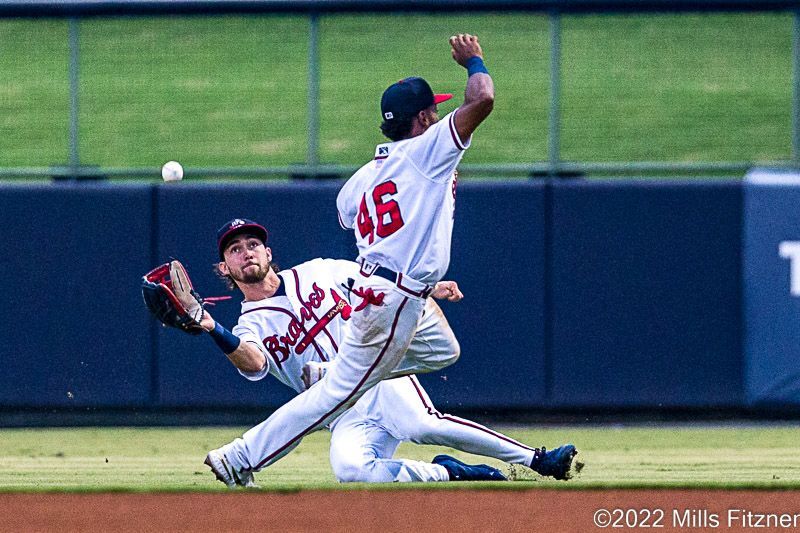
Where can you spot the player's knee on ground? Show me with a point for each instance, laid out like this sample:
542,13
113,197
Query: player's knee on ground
351,461
349,472
353,470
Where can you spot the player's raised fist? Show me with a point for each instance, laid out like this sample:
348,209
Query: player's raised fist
464,46
447,290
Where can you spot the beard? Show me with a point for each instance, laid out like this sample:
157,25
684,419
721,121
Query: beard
252,275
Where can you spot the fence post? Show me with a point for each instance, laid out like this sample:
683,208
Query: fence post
796,89
313,90
74,61
553,126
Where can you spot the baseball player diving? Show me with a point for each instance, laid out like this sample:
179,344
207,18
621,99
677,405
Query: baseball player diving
400,207
295,318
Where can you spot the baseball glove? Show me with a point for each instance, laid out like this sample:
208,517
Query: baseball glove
168,294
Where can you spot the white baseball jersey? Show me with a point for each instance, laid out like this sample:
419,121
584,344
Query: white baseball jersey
301,324
305,322
401,204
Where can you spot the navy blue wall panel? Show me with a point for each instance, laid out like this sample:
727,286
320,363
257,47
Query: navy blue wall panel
645,282
302,222
74,329
642,281
498,261
771,304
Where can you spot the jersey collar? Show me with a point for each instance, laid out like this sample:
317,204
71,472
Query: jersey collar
280,291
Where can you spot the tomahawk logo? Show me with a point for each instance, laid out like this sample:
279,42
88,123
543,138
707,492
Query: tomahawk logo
791,250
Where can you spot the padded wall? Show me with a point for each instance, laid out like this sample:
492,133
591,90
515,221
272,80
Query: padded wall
74,330
645,281
578,293
771,247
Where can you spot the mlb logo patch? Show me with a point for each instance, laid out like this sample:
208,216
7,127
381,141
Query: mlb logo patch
388,115
383,150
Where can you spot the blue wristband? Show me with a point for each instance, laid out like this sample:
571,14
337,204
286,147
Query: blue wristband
475,65
227,341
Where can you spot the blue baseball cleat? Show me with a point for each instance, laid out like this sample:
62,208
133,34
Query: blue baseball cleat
556,463
459,471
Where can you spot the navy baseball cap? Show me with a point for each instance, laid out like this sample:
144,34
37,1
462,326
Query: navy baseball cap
408,97
235,227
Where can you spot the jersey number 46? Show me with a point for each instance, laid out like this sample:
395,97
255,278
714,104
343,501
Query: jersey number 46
387,213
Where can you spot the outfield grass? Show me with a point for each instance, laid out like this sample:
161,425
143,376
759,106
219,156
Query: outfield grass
232,90
131,459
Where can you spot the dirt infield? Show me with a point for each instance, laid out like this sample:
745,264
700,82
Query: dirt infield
404,510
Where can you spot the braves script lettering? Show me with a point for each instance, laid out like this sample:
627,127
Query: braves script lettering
297,336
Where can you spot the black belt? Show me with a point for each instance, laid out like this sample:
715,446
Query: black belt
386,273
396,278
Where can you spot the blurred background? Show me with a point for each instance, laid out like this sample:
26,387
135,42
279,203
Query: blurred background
614,256
589,90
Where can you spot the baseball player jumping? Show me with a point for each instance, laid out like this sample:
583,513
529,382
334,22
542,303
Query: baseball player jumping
400,206
295,319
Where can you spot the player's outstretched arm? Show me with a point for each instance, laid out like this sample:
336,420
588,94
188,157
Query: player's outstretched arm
479,95
247,358
243,355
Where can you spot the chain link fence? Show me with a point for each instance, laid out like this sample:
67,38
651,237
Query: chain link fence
297,95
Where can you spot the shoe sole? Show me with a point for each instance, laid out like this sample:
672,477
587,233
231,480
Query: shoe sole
215,470
568,470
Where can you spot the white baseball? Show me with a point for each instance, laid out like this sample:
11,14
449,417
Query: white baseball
172,171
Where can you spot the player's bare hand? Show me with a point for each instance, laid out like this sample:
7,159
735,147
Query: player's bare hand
465,46
447,290
312,373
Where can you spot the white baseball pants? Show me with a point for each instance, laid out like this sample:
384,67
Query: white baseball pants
375,343
365,438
